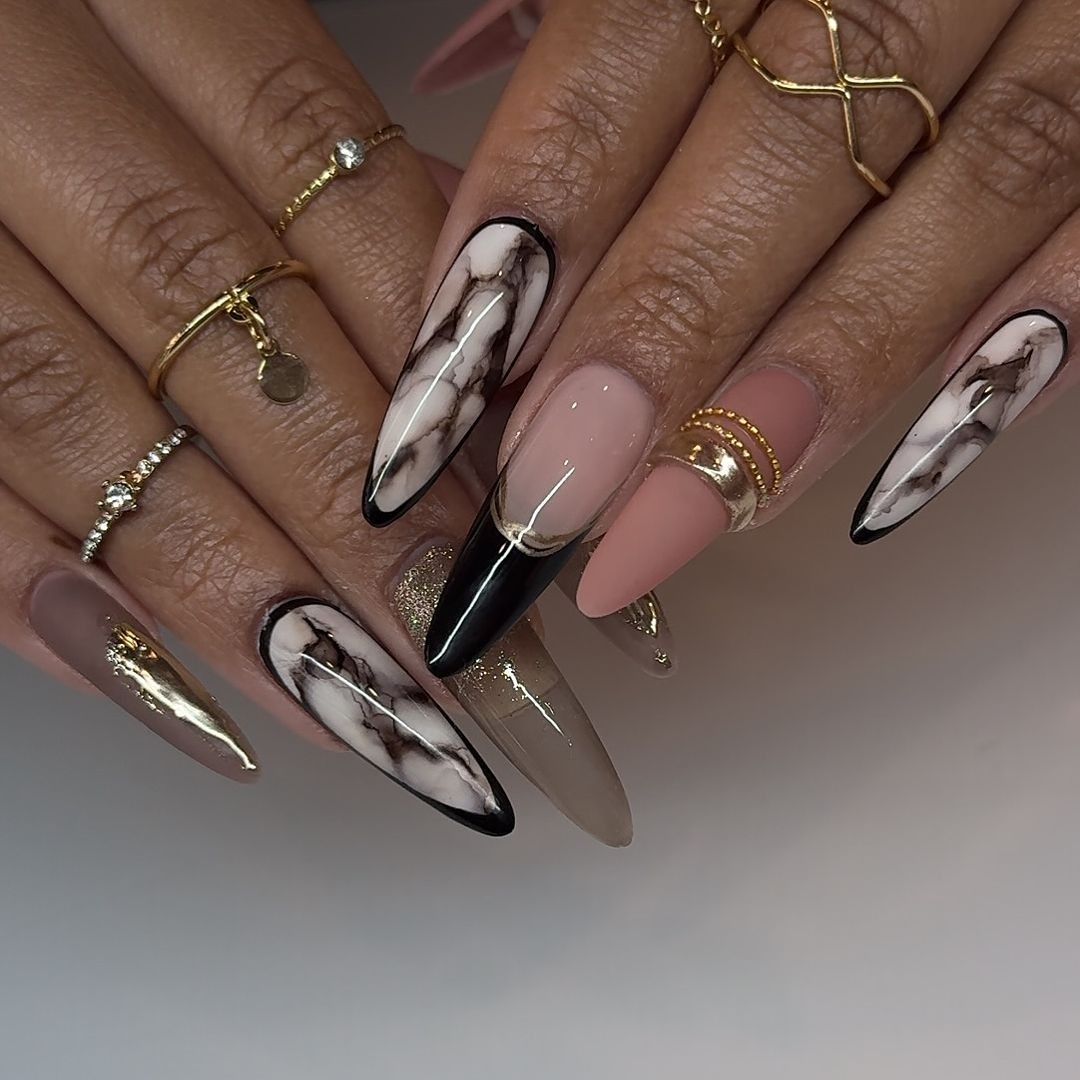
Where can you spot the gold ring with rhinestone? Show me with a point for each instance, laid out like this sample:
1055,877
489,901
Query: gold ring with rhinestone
120,495
347,156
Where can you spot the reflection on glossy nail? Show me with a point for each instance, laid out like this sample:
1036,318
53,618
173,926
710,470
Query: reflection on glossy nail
1004,375
97,637
352,686
523,704
467,345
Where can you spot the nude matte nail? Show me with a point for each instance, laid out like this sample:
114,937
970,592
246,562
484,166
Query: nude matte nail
96,636
355,689
468,344
585,441
522,702
677,513
998,381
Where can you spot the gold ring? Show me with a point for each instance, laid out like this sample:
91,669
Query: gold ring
348,155
844,85
282,376
121,493
718,453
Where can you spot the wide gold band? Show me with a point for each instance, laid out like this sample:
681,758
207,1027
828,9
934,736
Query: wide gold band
844,86
715,463
348,155
238,303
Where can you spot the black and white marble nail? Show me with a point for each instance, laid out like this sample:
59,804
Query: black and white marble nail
352,686
468,343
1000,379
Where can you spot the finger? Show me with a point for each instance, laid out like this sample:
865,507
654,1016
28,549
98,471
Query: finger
888,299
201,556
32,544
291,95
158,234
561,167
694,277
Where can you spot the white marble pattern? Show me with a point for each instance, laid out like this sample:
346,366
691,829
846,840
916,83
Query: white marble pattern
980,401
467,344
349,683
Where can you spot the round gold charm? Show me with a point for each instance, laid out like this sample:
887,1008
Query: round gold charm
283,378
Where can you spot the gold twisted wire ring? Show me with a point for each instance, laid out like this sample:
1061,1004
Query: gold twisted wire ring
844,87
347,156
236,301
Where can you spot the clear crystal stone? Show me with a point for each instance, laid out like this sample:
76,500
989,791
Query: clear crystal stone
349,154
154,457
119,496
175,440
144,468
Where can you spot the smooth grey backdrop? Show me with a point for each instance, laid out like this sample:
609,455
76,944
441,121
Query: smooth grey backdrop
861,861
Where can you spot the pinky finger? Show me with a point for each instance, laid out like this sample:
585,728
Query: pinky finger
1011,358
105,640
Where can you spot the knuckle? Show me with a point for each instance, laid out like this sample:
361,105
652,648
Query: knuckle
45,385
571,136
1022,139
171,248
891,35
297,108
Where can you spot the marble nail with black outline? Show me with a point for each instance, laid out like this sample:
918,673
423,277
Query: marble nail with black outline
468,343
990,390
354,688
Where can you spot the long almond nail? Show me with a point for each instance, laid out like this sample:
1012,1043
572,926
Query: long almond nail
96,636
681,509
640,630
352,686
521,701
579,449
467,345
998,381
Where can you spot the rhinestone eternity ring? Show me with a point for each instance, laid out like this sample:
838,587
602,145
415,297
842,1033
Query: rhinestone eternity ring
121,494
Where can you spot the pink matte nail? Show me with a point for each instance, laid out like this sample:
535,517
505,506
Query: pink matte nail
677,513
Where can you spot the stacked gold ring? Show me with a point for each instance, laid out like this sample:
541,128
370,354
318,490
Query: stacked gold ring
719,454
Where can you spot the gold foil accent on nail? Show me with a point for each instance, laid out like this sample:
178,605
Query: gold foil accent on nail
162,684
514,673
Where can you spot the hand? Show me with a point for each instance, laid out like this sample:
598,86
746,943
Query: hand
712,245
144,163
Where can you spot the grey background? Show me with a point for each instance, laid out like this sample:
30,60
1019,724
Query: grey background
857,860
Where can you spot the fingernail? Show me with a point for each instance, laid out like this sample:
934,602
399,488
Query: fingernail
993,387
688,501
96,636
492,38
468,343
640,630
583,444
521,701
352,686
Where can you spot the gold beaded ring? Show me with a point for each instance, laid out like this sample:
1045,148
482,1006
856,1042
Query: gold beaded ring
121,493
282,376
348,155
721,457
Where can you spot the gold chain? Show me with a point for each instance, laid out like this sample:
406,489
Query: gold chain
719,39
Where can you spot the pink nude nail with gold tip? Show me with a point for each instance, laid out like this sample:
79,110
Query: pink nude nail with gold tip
708,478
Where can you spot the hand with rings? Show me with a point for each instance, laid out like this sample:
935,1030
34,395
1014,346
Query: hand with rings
732,262
237,233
